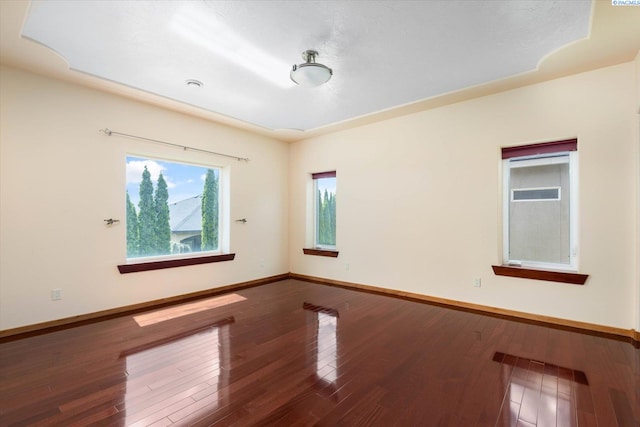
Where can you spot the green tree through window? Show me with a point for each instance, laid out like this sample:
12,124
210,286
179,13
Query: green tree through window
210,212
146,217
162,227
172,208
133,240
325,209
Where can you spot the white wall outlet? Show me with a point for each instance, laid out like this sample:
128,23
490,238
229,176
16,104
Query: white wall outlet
477,282
347,267
56,294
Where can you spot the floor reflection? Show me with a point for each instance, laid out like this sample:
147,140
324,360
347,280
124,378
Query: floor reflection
176,378
540,393
324,331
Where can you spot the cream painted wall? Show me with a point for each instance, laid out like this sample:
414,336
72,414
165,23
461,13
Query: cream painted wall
419,197
637,295
433,235
59,178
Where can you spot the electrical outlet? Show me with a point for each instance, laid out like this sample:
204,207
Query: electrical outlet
347,267
477,282
56,294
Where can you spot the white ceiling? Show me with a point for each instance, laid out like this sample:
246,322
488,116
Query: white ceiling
384,54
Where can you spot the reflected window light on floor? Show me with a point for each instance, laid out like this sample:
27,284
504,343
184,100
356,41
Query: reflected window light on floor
325,335
326,358
540,393
198,364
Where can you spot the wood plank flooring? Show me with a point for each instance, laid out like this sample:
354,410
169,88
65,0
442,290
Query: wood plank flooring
294,353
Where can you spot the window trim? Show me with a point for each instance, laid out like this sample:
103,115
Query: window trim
317,247
548,150
512,197
220,254
318,175
540,148
174,262
332,253
573,278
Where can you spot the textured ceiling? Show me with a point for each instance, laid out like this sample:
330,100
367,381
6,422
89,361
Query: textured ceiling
389,57
383,53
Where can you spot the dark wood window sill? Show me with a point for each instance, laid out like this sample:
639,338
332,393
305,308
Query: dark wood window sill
321,252
548,275
171,263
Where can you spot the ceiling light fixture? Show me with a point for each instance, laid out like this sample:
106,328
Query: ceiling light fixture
193,83
310,74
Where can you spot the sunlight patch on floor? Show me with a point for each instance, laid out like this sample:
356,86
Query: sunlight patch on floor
186,309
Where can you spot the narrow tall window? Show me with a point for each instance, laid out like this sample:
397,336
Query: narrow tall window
324,187
540,195
172,208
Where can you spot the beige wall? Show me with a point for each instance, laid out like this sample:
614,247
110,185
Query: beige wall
59,178
637,295
403,222
419,197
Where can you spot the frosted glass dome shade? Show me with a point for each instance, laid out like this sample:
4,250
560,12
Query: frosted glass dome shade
310,74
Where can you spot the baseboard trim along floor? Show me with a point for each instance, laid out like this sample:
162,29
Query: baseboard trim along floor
631,335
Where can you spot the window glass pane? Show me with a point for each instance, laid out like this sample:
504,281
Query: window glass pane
540,231
325,189
172,208
535,194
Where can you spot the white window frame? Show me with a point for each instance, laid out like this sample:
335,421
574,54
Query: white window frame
223,212
316,219
570,157
312,216
514,200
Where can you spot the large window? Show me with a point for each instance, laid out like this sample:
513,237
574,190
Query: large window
324,187
172,208
540,200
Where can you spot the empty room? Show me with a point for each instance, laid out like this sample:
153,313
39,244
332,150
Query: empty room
373,213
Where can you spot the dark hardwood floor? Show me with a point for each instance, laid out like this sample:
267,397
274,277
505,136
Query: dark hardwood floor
297,353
